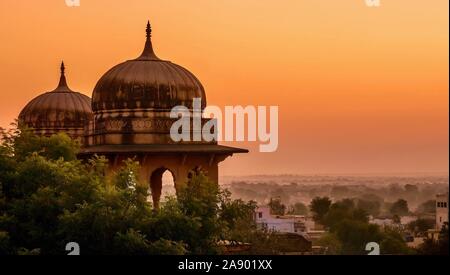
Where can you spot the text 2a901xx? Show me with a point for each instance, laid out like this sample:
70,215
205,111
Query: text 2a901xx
225,264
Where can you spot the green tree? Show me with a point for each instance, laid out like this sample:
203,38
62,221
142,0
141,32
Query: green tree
421,225
320,207
135,243
394,244
298,209
199,199
238,216
350,231
22,142
354,235
371,207
276,207
49,198
411,188
331,243
400,208
344,209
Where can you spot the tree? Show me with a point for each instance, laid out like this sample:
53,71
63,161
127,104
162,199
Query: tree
427,207
354,235
320,207
394,190
331,243
338,192
49,198
199,199
21,142
371,207
436,247
400,208
276,207
135,243
421,225
341,210
393,244
350,231
280,193
371,197
237,215
298,209
411,188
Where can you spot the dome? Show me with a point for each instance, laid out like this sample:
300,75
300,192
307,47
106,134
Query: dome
146,82
59,110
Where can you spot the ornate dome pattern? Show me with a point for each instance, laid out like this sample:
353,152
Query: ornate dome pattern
146,82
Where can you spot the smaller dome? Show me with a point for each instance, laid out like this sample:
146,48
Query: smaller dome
59,110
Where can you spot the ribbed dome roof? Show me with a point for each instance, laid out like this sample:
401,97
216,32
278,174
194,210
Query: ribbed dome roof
58,109
146,82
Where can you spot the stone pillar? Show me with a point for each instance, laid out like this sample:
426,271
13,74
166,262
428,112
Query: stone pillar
156,186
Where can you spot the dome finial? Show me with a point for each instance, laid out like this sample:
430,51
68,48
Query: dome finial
62,80
148,53
63,68
148,30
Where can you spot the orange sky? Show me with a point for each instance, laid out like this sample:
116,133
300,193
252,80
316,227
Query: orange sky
359,89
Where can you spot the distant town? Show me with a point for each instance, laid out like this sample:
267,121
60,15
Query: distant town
414,207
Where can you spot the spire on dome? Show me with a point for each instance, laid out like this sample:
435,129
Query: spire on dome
148,53
62,86
149,30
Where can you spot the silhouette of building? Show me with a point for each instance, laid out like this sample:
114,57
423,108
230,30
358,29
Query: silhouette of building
441,210
131,105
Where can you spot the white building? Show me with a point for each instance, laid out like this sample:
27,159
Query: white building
265,220
441,210
288,224
389,222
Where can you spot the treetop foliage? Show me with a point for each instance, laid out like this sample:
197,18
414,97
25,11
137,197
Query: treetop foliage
49,198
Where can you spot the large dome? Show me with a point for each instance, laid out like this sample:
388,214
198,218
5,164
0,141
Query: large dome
59,110
146,82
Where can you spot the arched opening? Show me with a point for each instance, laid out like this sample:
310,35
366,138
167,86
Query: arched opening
168,185
162,184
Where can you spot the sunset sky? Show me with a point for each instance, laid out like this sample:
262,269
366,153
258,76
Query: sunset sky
359,89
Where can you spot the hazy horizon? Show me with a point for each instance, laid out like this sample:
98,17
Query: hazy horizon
411,174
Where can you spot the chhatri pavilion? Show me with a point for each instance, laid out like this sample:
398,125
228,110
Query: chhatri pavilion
129,117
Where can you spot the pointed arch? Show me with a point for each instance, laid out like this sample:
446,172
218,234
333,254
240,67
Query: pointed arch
156,184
